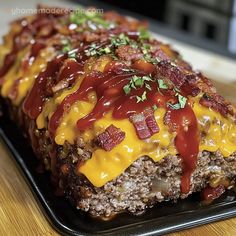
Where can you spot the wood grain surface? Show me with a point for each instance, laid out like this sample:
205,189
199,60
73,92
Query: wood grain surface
20,213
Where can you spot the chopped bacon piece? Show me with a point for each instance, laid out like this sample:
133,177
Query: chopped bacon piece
187,83
145,123
190,86
111,137
140,125
165,69
216,102
150,120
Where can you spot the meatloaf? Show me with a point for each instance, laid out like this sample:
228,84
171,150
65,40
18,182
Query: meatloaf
117,117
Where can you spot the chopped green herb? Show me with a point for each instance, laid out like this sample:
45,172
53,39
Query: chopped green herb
145,48
119,40
143,34
66,49
147,78
142,98
148,57
147,86
81,16
161,84
176,89
144,95
154,107
66,46
133,44
105,50
127,89
72,55
94,50
182,101
137,82
174,106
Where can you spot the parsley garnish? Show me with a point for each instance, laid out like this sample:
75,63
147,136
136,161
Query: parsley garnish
147,55
174,106
143,34
147,86
142,98
161,84
105,50
181,102
81,16
137,82
94,50
127,89
145,48
66,45
119,40
116,41
154,107
72,54
67,48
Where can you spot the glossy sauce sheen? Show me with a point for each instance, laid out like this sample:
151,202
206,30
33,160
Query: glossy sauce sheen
186,141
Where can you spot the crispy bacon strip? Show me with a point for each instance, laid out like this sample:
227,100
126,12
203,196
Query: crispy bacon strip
145,123
150,120
111,137
140,125
187,83
216,102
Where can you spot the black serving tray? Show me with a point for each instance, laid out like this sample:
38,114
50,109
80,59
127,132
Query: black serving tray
164,218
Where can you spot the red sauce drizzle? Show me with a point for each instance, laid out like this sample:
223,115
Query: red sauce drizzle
184,122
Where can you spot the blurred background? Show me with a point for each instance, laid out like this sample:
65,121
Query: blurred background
212,21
